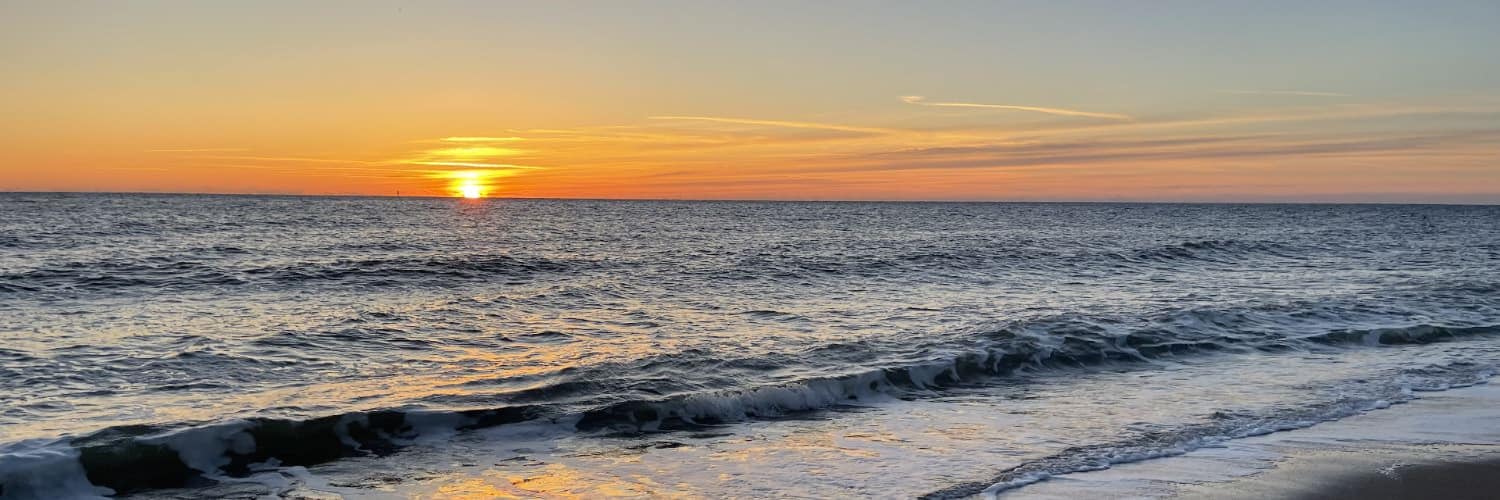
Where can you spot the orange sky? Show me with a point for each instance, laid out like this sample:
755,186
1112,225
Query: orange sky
600,101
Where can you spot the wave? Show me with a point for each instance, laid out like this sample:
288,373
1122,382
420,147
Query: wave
1217,251
1020,353
204,270
19,243
799,263
232,266
135,458
399,269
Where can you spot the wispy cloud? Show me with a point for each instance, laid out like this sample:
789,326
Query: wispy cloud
1302,93
319,171
464,154
1106,152
294,159
471,153
1293,116
480,139
198,150
922,101
781,123
473,165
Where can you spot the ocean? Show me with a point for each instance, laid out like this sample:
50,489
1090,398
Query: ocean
315,347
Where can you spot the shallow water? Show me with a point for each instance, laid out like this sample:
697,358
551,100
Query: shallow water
872,349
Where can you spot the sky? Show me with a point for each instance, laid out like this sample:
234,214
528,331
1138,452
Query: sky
1329,101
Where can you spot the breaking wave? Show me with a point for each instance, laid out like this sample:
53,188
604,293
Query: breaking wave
134,458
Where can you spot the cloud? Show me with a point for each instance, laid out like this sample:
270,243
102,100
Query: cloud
922,101
198,150
504,166
297,159
313,171
780,123
472,152
480,139
1108,152
1302,93
1037,147
1321,113
464,154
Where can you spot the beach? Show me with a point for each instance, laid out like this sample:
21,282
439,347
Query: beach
1444,445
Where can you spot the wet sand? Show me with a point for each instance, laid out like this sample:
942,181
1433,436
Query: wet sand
1452,480
1445,445
1378,474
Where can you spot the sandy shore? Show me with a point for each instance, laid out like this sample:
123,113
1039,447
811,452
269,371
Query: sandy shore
1392,474
1445,445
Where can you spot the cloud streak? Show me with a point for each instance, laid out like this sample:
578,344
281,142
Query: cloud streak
479,139
783,124
502,166
198,150
922,101
291,159
1301,93
1182,149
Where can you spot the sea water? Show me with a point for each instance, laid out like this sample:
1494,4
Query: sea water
249,345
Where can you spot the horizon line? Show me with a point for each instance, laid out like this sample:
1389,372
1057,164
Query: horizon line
773,200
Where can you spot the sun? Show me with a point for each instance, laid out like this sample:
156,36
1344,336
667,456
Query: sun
468,184
471,190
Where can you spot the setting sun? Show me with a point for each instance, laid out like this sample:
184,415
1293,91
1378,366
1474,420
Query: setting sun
470,190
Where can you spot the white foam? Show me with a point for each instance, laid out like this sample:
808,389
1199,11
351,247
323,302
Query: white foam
208,449
431,426
780,400
45,470
341,429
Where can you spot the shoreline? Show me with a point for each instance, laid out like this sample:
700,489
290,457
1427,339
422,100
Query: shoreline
1444,445
1413,474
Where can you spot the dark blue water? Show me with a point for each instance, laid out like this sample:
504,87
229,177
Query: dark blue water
314,330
